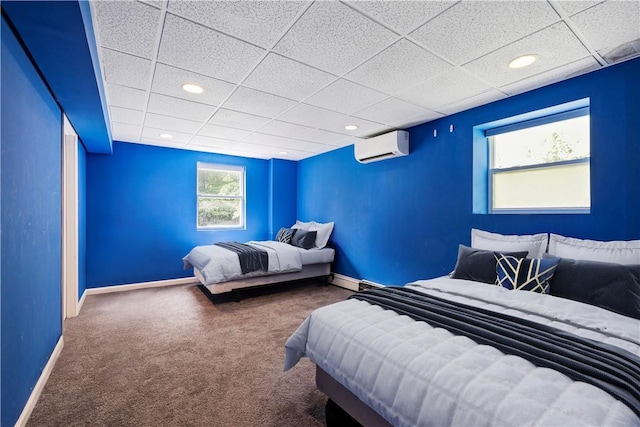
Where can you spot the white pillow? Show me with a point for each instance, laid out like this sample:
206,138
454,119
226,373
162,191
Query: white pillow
324,232
301,225
619,251
535,244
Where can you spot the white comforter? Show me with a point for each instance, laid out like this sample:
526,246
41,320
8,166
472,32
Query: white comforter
217,264
416,375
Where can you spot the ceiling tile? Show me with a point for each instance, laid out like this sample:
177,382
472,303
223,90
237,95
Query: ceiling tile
154,134
309,147
238,120
391,110
223,132
418,119
171,123
162,143
155,3
285,77
170,106
125,132
365,127
211,142
196,48
569,70
308,115
333,37
259,103
400,66
127,26
126,70
554,46
284,129
169,80
610,24
125,115
479,27
484,98
126,97
258,22
325,137
402,16
255,148
575,6
264,139
445,88
346,97
293,155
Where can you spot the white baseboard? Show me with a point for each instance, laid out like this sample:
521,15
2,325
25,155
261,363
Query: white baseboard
345,282
82,298
35,394
133,286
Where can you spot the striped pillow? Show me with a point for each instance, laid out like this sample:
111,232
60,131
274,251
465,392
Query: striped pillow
524,274
285,234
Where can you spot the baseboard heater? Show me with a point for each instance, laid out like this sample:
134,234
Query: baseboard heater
366,284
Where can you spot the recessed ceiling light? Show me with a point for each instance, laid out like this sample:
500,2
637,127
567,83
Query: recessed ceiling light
166,136
351,127
522,61
284,152
192,88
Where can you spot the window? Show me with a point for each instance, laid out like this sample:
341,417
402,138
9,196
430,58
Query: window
541,165
221,202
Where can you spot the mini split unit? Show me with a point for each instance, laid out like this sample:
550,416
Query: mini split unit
381,147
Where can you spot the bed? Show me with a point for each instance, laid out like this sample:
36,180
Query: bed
456,350
299,252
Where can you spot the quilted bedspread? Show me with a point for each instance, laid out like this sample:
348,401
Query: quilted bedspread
416,375
217,264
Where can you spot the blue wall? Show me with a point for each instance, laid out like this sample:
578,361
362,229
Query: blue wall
283,188
402,219
141,211
31,226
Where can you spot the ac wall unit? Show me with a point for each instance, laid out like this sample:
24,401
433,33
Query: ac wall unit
381,147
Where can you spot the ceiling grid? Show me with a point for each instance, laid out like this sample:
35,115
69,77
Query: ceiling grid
282,79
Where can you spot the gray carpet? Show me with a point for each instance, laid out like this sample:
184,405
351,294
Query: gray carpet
168,356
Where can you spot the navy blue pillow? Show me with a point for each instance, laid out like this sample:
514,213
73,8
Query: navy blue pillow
615,287
524,274
304,239
478,265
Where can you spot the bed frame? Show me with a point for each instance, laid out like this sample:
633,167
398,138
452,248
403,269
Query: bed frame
308,271
347,401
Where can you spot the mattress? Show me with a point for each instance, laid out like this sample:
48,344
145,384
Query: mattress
316,256
413,374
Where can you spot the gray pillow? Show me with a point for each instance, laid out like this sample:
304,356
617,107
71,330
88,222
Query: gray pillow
304,239
615,287
479,265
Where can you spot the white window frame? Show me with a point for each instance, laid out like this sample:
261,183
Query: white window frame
241,197
492,171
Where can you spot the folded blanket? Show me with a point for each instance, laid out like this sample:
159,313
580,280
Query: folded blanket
251,258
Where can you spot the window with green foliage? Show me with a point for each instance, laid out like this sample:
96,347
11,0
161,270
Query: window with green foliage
541,165
221,202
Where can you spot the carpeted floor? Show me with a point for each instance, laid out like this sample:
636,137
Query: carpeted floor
169,357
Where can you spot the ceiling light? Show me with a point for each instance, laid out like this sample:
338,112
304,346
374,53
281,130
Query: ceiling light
166,136
351,127
284,152
192,88
522,61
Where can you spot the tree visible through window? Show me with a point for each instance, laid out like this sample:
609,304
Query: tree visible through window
541,165
220,196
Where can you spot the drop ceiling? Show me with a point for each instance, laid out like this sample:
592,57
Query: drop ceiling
282,79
